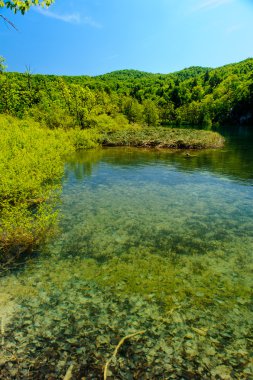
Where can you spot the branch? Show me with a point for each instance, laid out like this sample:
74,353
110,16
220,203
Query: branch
2,330
9,22
68,375
117,349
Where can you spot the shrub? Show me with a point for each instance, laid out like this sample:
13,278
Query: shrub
31,167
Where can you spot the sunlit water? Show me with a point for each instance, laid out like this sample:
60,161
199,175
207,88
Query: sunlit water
150,240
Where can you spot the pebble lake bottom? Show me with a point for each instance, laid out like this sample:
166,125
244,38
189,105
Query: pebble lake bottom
153,242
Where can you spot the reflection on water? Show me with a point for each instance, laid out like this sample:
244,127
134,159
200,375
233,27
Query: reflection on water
151,240
234,160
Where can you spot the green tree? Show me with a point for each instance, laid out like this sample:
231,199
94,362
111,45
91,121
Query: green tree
189,114
133,110
207,122
23,5
150,113
2,65
166,111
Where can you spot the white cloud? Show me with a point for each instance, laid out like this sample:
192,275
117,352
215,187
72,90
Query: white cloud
89,21
72,18
209,4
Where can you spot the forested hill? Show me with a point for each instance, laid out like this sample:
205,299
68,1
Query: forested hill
136,74
125,75
201,97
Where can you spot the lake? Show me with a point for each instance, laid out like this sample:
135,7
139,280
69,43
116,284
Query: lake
153,242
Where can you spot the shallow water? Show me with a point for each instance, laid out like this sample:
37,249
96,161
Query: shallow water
150,240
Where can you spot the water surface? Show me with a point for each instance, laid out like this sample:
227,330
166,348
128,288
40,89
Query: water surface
151,240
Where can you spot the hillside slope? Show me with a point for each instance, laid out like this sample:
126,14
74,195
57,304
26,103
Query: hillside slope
196,96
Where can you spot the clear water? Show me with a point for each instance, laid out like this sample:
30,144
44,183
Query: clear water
150,240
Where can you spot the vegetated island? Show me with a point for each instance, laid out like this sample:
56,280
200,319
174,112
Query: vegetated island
44,118
171,138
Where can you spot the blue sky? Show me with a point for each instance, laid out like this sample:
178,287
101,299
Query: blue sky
76,37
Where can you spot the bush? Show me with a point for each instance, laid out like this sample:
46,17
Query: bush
31,167
84,138
52,117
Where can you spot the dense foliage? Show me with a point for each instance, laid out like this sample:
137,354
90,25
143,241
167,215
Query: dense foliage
196,96
31,170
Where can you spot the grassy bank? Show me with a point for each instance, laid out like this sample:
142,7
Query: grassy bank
31,169
165,138
32,165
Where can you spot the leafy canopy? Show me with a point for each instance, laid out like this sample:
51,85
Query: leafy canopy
23,5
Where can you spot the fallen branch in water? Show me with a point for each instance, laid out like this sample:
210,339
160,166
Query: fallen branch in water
68,375
117,349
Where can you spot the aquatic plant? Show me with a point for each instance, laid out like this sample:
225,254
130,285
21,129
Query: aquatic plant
66,321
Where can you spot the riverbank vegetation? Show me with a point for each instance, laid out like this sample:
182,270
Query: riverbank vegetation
31,170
